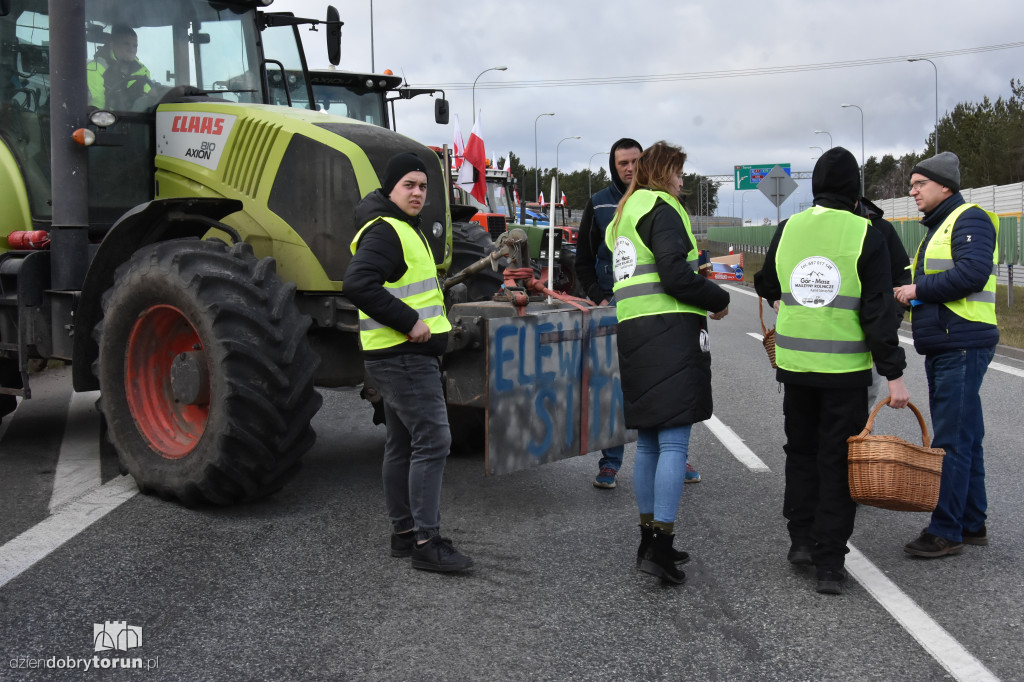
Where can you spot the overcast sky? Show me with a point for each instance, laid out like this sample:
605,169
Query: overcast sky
721,121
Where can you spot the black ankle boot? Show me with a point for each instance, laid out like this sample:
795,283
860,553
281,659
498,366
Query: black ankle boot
646,538
658,559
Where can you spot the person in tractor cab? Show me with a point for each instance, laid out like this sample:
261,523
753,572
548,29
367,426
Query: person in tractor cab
116,77
403,330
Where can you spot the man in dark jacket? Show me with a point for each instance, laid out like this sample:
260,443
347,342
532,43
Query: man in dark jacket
403,330
954,319
594,268
830,269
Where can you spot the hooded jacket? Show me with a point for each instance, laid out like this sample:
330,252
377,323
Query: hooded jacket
665,360
591,253
937,329
836,186
378,259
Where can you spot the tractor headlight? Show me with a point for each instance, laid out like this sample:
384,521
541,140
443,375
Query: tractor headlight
438,229
102,118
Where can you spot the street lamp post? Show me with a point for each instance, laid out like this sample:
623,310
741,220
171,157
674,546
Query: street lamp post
493,68
922,59
743,209
558,185
820,150
536,167
825,132
846,106
590,189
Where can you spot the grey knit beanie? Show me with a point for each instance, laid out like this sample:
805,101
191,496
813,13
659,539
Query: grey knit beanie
943,168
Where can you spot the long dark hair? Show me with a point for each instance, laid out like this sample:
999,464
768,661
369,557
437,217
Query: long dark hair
654,170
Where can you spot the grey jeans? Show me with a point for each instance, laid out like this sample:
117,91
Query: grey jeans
418,440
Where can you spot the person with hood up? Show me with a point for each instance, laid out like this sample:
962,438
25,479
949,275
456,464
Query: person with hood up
663,345
954,320
403,330
829,270
594,269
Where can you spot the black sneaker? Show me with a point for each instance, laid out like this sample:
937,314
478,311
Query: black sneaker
831,580
401,544
437,554
799,555
931,546
978,537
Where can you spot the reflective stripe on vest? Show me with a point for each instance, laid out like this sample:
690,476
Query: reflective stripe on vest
417,288
818,328
979,306
638,289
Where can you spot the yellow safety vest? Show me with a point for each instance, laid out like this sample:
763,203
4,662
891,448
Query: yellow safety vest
938,257
818,328
418,288
638,289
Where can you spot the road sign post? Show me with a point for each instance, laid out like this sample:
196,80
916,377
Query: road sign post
777,186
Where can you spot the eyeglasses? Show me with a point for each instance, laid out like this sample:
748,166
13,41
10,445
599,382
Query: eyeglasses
918,185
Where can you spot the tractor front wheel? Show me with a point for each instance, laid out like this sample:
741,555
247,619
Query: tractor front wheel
206,374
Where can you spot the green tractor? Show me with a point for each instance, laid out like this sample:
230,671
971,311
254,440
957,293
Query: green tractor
177,231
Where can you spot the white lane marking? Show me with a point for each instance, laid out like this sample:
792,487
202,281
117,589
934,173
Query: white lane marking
950,654
757,336
35,544
9,418
735,445
998,366
741,290
78,466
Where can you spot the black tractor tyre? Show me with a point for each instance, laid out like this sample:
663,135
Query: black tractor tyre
206,373
470,243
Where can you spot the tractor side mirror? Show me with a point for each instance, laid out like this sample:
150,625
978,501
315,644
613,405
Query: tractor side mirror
333,35
441,111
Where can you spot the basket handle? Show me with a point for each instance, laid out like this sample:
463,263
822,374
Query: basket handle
760,312
917,413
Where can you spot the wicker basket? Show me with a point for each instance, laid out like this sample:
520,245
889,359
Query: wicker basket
768,335
888,472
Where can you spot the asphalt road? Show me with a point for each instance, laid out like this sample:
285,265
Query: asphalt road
301,586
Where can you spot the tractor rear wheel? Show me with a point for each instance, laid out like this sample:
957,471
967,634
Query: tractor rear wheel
206,374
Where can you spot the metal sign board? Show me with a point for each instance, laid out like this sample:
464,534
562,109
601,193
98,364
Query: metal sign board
777,185
553,387
749,177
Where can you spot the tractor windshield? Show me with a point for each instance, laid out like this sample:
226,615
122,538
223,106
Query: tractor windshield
139,51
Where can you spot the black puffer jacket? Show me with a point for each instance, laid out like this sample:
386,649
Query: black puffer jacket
665,373
378,259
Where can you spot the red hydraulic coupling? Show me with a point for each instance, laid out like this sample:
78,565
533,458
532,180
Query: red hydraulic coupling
31,240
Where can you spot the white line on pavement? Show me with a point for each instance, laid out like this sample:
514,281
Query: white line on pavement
35,544
741,290
929,634
8,419
735,445
78,466
757,336
998,366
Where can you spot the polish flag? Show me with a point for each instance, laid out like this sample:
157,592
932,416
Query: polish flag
563,199
474,158
460,146
515,193
508,164
540,199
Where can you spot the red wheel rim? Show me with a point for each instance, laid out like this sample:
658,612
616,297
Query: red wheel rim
157,337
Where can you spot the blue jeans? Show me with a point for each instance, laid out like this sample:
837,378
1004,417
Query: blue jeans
659,470
954,397
418,440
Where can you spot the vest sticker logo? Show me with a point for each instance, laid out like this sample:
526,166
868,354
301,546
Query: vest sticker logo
815,282
623,259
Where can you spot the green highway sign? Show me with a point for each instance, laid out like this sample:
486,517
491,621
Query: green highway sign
749,177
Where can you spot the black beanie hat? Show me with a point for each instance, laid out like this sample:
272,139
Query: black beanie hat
398,167
836,173
624,143
943,168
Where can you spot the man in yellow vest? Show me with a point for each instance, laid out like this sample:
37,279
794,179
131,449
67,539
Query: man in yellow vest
953,313
829,270
403,329
115,76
